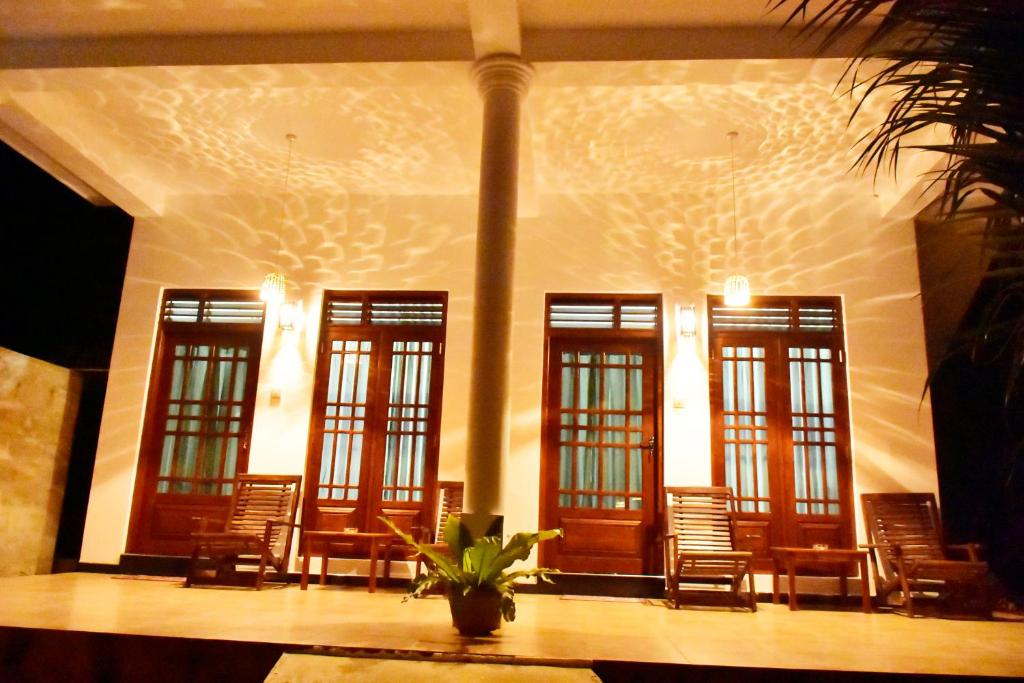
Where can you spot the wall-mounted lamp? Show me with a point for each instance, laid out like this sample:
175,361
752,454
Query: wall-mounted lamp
289,316
686,321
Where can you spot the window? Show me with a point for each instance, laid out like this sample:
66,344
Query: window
199,413
780,420
376,410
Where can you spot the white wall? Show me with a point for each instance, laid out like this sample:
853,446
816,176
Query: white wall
832,241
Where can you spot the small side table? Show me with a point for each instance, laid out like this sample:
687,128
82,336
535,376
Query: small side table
327,540
840,558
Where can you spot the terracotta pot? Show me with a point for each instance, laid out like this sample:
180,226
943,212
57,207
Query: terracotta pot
477,613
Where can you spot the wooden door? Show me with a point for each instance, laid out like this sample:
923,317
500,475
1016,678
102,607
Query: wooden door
599,461
375,426
196,439
780,429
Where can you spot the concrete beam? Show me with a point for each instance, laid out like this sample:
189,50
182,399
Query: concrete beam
538,45
75,169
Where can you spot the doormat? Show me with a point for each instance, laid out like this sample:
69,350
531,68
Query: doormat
601,598
145,577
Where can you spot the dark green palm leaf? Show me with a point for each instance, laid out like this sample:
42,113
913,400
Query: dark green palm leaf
959,66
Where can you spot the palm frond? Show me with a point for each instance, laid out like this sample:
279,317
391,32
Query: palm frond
956,66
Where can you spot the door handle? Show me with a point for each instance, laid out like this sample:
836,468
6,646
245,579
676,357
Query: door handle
651,444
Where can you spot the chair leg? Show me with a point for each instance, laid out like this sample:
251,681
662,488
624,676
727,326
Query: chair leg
677,595
192,566
908,599
281,569
261,571
753,591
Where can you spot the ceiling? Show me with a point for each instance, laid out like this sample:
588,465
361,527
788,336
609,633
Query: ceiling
414,128
140,136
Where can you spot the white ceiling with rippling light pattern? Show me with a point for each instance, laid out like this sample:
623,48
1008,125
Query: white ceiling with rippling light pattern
414,128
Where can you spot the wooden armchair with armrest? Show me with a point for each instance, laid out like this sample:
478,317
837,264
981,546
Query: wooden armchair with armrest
258,532
699,543
905,535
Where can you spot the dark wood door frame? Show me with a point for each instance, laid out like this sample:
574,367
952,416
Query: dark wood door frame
190,506
322,514
549,451
783,526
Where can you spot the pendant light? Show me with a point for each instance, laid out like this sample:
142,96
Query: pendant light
737,287
273,289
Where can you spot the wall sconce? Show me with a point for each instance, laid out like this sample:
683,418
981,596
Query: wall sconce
289,316
686,321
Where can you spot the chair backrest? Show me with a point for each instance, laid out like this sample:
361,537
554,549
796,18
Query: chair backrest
700,517
261,497
909,521
449,502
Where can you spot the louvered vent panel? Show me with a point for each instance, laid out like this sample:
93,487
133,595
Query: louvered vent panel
590,316
751,319
609,314
817,319
638,317
233,312
345,313
181,310
407,313
217,310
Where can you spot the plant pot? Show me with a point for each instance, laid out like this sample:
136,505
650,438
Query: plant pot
476,613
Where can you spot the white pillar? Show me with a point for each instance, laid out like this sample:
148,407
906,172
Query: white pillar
503,80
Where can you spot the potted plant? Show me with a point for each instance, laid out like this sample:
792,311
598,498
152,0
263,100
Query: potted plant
472,572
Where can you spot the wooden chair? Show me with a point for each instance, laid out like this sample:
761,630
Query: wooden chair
906,536
449,497
258,533
699,540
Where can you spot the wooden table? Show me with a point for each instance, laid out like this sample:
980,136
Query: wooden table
841,558
331,539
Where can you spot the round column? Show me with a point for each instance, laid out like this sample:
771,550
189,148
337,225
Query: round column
503,80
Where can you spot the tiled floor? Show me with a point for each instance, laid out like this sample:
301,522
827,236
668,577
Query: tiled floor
546,627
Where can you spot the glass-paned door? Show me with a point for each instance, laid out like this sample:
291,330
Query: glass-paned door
601,433
376,415
813,418
198,424
745,427
780,425
599,454
344,419
202,419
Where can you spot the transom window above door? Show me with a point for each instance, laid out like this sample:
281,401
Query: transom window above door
600,313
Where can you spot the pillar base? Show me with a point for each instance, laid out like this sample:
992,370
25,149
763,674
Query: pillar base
482,524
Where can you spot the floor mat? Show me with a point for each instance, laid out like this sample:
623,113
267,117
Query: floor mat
144,577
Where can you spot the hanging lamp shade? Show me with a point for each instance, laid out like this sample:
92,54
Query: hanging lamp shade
737,290
272,290
737,287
